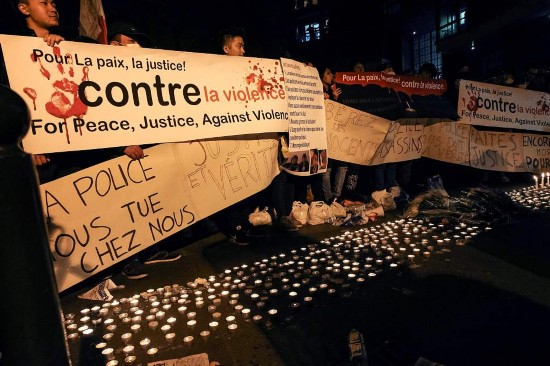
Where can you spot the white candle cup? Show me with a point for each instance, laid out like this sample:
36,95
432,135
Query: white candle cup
232,328
144,343
128,350
191,324
170,338
130,360
205,334
108,336
213,326
165,328
136,328
216,316
153,325
108,353
188,341
152,352
126,338
191,315
230,319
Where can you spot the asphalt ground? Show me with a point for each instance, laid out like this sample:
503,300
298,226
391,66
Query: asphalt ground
483,303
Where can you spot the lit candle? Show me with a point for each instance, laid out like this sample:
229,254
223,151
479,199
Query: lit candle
548,178
542,180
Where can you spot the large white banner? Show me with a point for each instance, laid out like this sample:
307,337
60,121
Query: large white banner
111,211
87,96
500,106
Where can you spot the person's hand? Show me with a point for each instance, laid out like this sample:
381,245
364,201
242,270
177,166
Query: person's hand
40,159
53,39
336,92
134,152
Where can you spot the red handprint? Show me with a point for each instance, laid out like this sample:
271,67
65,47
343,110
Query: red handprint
472,102
64,101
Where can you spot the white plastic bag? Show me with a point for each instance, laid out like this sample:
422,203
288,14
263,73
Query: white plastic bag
258,217
318,213
299,212
337,209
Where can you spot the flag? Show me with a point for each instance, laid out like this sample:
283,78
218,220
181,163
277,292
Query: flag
92,20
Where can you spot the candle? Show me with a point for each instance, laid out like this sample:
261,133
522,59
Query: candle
188,341
542,180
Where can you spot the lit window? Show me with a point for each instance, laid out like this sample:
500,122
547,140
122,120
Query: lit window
424,50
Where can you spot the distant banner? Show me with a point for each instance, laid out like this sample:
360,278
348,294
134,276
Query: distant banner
307,143
404,141
109,212
536,152
500,106
88,96
497,150
448,142
353,135
395,96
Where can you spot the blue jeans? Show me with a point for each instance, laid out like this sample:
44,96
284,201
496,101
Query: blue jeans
384,176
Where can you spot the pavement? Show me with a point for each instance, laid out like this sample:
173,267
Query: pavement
483,303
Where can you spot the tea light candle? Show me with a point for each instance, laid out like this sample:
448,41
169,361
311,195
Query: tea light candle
205,335
108,336
188,341
213,326
216,316
182,309
230,319
191,315
165,328
152,352
170,338
232,328
130,360
245,313
108,353
171,320
191,324
136,328
128,350
153,325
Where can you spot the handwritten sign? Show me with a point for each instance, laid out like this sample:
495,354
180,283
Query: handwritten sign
106,213
353,135
496,150
447,141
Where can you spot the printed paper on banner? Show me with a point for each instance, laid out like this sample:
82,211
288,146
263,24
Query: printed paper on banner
307,141
354,136
88,96
109,212
505,107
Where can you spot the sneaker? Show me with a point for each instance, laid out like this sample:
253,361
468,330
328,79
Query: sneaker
162,257
134,271
285,223
239,236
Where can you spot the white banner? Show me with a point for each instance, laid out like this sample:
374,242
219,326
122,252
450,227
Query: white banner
87,96
500,106
106,213
307,143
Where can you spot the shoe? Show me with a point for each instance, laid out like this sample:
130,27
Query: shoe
239,236
162,257
285,223
134,271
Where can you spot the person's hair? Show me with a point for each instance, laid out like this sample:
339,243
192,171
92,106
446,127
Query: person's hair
228,34
428,68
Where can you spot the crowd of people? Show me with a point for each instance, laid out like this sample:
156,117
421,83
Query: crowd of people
345,183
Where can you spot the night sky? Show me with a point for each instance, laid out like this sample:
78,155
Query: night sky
176,24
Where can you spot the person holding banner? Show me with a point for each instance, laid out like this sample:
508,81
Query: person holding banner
126,35
332,188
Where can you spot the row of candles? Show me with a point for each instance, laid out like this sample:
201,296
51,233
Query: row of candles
542,183
264,291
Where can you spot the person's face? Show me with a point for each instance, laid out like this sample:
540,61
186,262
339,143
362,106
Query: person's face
328,77
294,159
235,47
314,159
359,67
125,41
40,14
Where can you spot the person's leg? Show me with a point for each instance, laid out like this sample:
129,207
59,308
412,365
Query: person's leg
379,177
390,175
326,185
282,189
339,179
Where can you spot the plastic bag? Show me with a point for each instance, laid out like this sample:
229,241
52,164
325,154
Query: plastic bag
258,217
337,209
319,212
299,213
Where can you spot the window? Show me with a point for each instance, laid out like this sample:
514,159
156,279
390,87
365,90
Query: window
308,32
302,4
392,7
452,17
424,50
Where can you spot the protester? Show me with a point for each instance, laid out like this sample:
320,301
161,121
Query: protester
126,35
